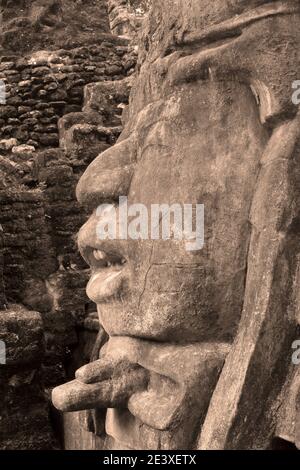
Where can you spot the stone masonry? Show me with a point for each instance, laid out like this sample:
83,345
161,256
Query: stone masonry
64,104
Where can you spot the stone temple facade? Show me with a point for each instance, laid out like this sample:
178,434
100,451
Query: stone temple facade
173,102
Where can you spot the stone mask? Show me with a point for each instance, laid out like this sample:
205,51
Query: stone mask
211,121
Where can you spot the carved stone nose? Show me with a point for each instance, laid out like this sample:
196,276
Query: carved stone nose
109,175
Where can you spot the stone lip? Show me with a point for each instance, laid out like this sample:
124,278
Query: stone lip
152,380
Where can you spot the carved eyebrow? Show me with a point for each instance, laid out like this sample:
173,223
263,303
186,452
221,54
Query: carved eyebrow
188,62
234,26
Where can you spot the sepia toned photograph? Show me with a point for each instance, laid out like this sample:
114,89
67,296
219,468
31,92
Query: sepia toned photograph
149,229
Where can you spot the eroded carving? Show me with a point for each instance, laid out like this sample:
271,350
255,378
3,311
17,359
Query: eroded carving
200,342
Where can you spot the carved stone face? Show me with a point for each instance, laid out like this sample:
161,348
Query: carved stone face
200,120
189,142
184,155
164,292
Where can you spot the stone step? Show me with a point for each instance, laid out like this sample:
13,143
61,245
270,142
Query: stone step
84,141
108,99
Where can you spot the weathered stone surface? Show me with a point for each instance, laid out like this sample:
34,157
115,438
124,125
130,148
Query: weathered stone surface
7,144
126,16
297,423
287,424
47,56
23,408
125,381
76,437
39,24
210,121
50,91
22,332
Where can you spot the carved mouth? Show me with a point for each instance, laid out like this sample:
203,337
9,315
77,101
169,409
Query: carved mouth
107,274
99,259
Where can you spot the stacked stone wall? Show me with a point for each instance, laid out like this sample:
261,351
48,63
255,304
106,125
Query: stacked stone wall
43,87
63,106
